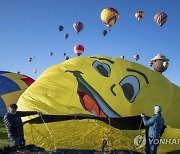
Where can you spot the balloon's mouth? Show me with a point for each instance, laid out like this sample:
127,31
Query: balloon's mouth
92,101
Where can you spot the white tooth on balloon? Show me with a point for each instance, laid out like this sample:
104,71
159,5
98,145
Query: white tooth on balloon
93,112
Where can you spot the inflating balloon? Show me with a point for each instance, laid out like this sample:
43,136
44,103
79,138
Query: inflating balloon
109,16
12,85
86,100
139,15
160,18
78,49
78,26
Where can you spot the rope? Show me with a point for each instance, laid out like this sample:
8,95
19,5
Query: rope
48,131
75,118
109,119
140,124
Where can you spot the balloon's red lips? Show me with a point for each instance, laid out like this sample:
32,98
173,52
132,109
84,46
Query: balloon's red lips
92,101
90,104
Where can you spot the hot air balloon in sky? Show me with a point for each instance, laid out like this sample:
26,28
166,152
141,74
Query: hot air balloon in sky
78,49
78,26
12,85
122,56
139,15
85,100
160,63
160,18
109,16
30,59
60,28
66,36
136,57
51,53
35,70
66,57
104,32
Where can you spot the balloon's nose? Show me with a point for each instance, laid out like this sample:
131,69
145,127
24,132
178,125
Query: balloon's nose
112,89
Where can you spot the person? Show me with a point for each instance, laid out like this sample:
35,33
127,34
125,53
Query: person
155,127
14,124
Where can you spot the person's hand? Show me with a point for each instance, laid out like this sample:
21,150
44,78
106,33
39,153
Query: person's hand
142,115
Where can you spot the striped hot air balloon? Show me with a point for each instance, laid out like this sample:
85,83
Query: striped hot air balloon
160,18
78,49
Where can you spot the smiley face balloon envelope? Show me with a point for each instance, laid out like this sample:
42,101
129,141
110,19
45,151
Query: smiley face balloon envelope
12,85
87,100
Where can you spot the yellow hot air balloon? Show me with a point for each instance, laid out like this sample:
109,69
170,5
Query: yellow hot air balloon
109,16
71,93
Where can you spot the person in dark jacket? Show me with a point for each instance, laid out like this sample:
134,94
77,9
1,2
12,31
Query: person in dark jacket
155,127
14,124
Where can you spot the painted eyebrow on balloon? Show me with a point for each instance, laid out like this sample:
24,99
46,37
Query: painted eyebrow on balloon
136,71
110,61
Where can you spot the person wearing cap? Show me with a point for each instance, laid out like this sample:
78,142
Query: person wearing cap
14,124
155,127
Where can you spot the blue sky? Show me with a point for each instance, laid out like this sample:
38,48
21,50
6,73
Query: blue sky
29,28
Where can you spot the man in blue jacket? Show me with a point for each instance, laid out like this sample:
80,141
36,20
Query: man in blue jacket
14,125
155,124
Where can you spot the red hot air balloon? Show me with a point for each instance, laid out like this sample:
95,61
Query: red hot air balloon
78,26
78,49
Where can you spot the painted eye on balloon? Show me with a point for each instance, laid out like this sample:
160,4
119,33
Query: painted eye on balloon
130,86
102,68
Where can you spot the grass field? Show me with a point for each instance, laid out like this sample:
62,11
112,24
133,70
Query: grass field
4,141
